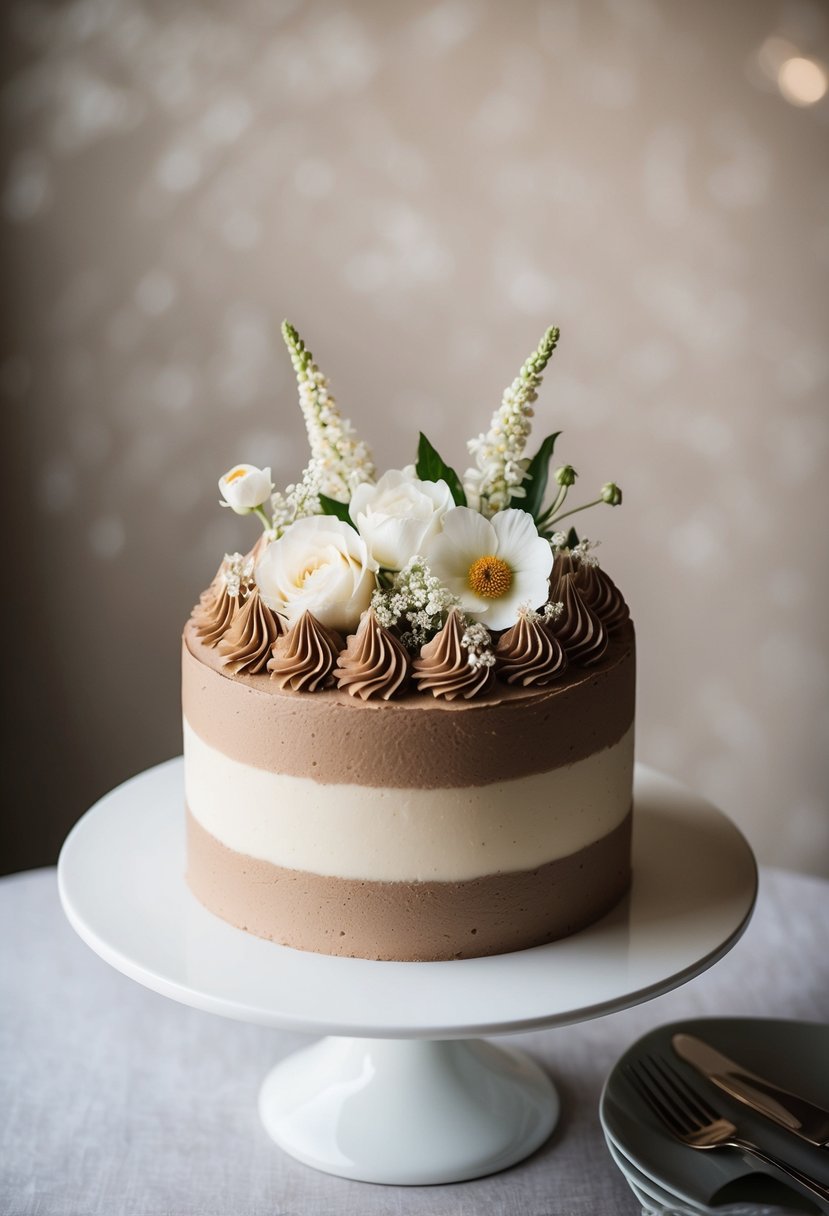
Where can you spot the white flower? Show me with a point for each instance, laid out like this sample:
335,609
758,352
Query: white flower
500,464
399,514
340,460
492,565
319,565
244,488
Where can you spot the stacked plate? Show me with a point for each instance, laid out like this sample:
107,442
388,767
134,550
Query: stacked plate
669,1178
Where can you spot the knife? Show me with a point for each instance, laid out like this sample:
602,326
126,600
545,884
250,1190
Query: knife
805,1119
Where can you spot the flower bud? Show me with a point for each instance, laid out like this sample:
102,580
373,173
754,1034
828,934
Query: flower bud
244,488
566,475
611,494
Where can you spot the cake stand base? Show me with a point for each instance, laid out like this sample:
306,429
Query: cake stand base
406,1111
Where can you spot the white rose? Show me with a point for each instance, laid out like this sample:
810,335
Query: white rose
398,514
244,487
318,565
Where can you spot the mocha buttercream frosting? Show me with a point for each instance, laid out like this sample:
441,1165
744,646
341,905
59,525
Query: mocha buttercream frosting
382,743
601,595
374,664
577,628
249,640
444,668
215,610
528,654
219,604
304,658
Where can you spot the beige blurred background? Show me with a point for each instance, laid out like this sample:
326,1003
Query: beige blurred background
422,188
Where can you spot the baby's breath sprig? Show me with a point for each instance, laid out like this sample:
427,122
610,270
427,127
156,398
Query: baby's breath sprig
414,602
550,612
340,461
237,570
583,551
501,466
296,501
477,641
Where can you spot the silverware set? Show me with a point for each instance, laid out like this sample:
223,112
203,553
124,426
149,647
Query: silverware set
687,1115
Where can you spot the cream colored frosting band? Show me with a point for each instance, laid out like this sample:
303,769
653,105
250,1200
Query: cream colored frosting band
407,835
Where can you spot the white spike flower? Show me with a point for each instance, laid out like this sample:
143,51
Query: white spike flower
499,455
340,461
493,566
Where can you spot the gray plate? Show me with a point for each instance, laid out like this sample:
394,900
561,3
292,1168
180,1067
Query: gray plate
794,1054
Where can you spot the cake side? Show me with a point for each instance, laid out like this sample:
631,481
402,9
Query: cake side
436,869
410,921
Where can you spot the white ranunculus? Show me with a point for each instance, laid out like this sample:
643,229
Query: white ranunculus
492,565
244,487
318,565
399,514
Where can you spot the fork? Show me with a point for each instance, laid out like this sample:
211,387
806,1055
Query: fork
689,1118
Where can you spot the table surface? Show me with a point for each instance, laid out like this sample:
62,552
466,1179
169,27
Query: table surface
116,1100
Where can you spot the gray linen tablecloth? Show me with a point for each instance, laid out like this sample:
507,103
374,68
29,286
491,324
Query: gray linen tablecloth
115,1100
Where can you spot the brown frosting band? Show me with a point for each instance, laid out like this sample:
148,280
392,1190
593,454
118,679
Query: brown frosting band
409,920
332,737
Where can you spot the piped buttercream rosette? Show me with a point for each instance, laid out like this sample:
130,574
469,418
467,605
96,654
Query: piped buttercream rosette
247,644
374,663
443,667
304,658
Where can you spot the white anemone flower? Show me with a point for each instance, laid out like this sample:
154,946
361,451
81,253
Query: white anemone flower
492,565
244,488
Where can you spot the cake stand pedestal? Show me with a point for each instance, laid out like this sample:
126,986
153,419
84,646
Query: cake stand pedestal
404,1091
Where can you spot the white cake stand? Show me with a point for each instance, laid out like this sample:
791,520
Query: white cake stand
403,1093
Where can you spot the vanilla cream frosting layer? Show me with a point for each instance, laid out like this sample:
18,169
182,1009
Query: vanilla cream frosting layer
407,835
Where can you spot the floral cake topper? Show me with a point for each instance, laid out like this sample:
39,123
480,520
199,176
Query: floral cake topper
420,550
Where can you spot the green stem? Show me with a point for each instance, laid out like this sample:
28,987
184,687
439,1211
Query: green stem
575,510
551,510
259,512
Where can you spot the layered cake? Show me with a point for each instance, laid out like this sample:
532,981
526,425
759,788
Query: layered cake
409,708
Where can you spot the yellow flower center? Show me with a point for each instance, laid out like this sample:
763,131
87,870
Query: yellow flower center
490,577
235,475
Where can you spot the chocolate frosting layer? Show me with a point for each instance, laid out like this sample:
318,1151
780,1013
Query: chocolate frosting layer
443,667
415,921
601,595
528,654
247,644
215,611
304,658
507,731
374,663
578,629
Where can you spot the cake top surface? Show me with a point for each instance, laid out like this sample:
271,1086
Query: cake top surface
417,580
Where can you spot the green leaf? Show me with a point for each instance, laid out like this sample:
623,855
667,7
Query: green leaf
330,506
535,483
432,467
